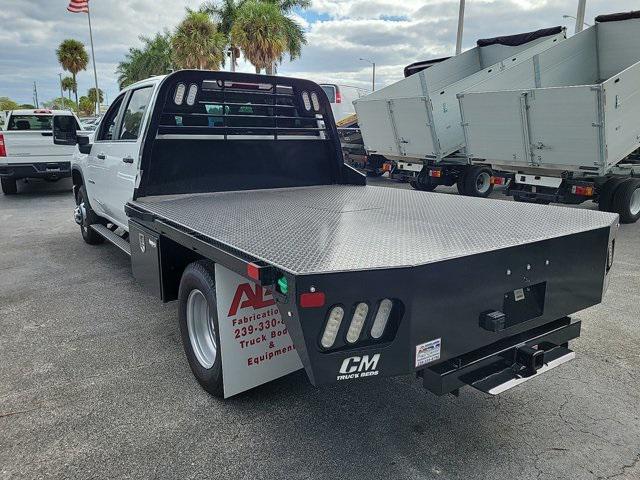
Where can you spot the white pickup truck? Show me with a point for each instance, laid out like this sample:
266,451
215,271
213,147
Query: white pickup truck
230,193
26,150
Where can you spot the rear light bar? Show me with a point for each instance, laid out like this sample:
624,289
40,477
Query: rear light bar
3,149
354,333
582,190
42,111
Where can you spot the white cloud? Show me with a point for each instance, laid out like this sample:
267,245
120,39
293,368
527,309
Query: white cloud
393,33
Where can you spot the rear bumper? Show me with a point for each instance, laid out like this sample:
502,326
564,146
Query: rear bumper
496,368
47,170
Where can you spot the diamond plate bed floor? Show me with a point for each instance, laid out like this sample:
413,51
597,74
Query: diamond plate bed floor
334,228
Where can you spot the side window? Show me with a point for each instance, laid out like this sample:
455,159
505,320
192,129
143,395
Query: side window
134,114
108,124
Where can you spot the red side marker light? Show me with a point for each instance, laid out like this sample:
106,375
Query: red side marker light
312,300
253,271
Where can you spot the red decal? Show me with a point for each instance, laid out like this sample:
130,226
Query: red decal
248,295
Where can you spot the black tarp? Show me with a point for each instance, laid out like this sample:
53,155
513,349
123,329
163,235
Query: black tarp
519,39
616,17
424,64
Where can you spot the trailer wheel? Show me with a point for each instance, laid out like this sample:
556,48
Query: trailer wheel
608,190
477,182
85,217
626,200
417,184
198,317
9,186
460,183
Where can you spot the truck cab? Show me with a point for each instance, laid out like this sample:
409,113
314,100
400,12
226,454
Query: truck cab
26,150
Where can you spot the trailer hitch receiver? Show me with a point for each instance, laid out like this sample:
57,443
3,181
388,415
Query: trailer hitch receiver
530,358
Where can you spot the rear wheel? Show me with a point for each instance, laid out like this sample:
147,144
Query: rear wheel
86,217
418,184
608,190
9,186
198,317
626,200
477,182
460,184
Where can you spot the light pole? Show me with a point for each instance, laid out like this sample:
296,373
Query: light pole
373,77
460,28
582,5
61,91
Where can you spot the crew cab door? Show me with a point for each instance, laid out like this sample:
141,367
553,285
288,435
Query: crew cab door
96,177
122,162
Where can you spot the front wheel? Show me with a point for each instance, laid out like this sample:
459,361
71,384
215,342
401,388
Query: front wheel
477,182
198,317
626,201
9,186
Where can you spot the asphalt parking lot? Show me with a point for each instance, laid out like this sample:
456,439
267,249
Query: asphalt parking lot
94,384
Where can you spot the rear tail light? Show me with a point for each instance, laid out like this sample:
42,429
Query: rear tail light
338,96
382,317
3,149
435,173
498,180
357,322
312,300
333,326
582,191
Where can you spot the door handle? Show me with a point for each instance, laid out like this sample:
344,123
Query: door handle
101,156
127,159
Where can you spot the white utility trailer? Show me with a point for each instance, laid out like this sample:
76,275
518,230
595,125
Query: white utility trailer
416,121
568,128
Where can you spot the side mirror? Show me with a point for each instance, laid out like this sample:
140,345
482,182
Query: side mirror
84,144
64,130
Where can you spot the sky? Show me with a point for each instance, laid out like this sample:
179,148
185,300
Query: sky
339,33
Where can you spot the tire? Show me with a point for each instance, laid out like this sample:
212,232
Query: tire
9,186
201,345
477,182
88,234
460,184
608,190
626,201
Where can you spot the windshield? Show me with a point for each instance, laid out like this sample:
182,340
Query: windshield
30,122
330,90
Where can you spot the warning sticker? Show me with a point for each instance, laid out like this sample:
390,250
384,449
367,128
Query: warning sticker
428,352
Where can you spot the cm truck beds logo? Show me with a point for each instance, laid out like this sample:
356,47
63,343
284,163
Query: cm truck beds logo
358,367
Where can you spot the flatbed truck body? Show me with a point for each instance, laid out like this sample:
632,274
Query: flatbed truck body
367,282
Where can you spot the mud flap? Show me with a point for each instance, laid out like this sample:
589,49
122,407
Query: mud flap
255,344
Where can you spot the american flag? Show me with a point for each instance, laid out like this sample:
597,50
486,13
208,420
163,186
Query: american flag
78,6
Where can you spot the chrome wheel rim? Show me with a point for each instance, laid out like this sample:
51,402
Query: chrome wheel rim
634,205
201,332
483,182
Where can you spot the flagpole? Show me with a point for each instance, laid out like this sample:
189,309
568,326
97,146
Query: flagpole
93,58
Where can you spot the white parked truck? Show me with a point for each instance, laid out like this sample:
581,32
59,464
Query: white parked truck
26,150
231,195
567,124
416,121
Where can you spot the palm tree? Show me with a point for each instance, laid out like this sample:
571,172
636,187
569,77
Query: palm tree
226,12
197,43
154,58
260,31
69,85
73,58
91,93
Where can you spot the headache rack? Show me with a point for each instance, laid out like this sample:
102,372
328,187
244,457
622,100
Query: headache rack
219,131
228,110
